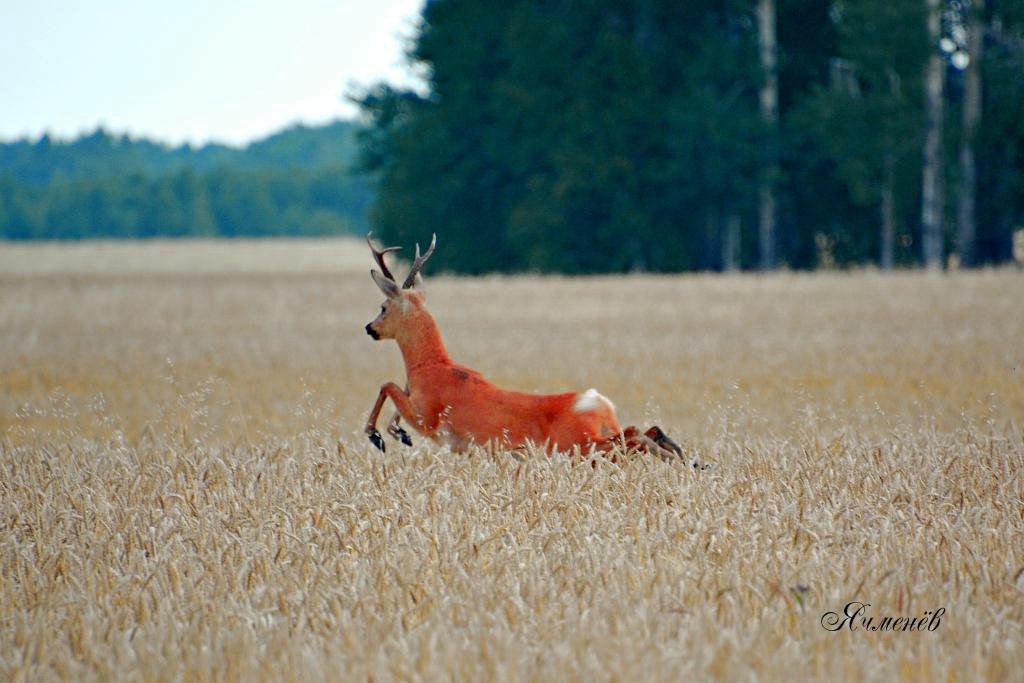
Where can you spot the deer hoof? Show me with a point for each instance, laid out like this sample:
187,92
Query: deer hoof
377,440
403,436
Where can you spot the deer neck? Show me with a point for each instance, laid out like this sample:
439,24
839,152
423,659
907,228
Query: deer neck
421,345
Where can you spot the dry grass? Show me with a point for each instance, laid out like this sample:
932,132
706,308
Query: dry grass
185,492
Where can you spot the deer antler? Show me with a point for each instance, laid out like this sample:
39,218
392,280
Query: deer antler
379,256
410,279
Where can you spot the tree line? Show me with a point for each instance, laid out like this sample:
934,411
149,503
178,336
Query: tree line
592,136
297,182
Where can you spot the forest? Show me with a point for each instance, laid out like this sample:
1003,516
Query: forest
654,135
594,136
297,182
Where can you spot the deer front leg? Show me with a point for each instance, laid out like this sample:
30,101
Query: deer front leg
394,430
405,410
397,432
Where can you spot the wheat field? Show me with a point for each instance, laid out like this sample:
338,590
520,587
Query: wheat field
186,493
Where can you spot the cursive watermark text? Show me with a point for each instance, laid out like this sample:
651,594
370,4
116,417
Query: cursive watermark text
855,617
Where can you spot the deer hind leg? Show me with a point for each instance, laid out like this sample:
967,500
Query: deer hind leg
654,441
405,411
659,437
629,439
646,442
666,443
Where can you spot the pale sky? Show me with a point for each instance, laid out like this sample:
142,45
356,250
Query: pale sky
193,70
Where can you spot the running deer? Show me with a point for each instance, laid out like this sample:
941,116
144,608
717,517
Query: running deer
453,404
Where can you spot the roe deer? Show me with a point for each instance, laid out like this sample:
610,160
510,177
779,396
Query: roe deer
453,404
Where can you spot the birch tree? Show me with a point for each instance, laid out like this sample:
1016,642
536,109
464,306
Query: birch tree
966,229
932,198
770,116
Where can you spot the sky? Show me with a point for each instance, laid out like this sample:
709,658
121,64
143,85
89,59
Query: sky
194,70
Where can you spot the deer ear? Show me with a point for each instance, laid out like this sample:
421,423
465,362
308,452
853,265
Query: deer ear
386,285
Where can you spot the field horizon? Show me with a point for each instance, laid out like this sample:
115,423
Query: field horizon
187,493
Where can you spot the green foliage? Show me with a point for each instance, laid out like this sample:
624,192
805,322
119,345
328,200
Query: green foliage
608,136
1001,133
865,120
297,182
521,162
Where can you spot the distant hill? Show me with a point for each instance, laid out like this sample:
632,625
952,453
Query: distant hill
301,180
104,153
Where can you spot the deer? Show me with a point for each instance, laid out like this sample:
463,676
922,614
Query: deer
455,405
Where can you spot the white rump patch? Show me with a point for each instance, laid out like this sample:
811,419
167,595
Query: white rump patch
590,400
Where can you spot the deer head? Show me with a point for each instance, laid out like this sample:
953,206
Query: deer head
404,305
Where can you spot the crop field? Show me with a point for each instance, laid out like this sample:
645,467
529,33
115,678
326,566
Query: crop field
186,492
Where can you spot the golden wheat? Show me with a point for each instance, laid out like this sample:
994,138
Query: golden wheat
186,494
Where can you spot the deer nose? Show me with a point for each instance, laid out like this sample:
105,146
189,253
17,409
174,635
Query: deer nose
370,331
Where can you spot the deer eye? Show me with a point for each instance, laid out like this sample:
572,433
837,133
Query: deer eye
383,310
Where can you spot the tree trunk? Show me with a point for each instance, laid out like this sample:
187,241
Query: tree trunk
712,243
966,229
769,115
931,175
887,213
731,243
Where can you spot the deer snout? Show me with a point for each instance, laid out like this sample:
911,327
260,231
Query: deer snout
372,332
